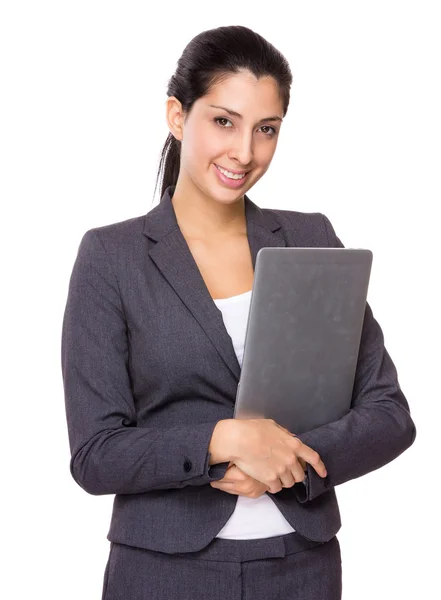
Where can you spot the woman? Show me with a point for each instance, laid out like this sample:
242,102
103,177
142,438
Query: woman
152,346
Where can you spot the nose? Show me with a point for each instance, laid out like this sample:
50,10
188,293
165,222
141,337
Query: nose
242,151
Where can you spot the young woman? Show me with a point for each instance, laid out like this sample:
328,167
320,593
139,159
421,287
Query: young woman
207,506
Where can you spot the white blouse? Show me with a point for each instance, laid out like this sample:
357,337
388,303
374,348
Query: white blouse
252,517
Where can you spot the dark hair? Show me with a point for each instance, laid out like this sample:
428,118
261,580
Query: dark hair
209,58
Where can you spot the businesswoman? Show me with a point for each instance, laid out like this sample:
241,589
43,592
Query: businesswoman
207,506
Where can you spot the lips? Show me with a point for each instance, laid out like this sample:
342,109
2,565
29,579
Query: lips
232,170
229,182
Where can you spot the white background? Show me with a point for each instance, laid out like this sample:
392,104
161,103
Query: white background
82,125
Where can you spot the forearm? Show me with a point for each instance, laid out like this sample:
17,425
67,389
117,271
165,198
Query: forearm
364,440
133,460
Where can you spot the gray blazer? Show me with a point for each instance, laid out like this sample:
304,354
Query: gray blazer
149,369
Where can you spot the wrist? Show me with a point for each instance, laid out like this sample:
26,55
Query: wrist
222,447
233,436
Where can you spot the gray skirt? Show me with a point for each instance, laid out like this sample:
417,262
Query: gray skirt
287,567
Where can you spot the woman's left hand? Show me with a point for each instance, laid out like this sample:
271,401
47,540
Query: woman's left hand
235,481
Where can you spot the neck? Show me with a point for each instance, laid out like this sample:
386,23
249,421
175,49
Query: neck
201,216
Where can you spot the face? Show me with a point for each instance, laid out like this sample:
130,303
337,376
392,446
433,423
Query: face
212,137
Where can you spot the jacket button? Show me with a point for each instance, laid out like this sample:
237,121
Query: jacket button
187,465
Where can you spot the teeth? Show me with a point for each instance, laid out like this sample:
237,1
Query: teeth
231,175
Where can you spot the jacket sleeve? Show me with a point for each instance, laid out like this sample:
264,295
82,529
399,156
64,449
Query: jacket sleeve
376,430
109,453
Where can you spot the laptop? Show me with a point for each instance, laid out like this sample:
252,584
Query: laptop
303,335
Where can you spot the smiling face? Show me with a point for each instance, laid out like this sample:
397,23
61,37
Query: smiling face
212,136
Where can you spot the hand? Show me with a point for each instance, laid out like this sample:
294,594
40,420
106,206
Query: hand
239,483
301,461
271,454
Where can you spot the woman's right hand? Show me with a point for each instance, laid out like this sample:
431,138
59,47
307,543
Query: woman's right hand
271,454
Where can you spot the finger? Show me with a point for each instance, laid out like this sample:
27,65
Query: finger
233,475
302,462
225,479
230,488
312,457
226,485
288,431
288,479
298,472
216,484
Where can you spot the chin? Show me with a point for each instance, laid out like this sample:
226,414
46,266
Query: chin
233,196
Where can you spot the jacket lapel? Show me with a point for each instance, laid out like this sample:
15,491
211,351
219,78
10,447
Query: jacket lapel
174,259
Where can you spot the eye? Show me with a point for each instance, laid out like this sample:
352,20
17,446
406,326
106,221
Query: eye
271,133
221,119
274,131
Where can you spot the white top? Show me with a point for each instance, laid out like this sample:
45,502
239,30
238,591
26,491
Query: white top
252,517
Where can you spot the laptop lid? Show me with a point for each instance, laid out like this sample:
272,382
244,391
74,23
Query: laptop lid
303,335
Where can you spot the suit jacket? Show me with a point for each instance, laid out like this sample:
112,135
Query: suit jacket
149,369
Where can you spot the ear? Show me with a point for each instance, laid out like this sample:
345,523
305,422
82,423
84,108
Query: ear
174,115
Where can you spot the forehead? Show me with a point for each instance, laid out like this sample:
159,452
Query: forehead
245,94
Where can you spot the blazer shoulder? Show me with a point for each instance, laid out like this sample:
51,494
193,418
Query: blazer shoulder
306,226
117,234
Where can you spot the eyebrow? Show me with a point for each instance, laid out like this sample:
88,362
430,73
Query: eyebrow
236,114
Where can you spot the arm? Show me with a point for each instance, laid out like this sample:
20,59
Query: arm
109,453
376,430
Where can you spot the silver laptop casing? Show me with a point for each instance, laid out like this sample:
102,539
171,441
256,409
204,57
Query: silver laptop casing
303,335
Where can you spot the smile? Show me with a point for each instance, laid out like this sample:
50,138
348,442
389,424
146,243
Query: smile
229,174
